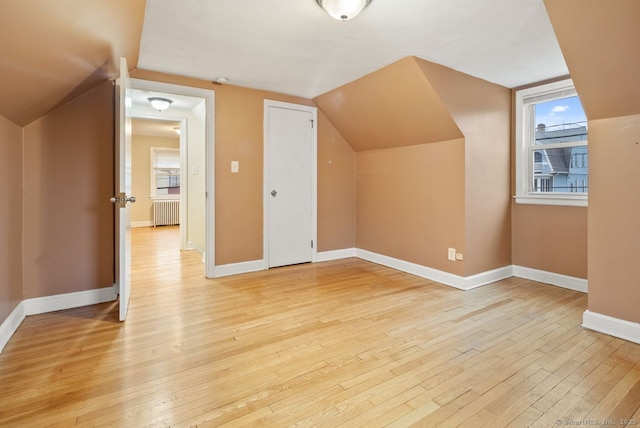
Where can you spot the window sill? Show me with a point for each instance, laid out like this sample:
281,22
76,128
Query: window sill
561,200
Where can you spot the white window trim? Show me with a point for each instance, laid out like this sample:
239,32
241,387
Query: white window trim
524,164
152,177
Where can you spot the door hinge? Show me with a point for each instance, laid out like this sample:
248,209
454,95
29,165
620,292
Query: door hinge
312,243
311,120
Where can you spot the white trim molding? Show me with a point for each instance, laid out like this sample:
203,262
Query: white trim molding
488,277
564,281
626,330
58,302
11,324
146,223
325,256
446,278
238,268
202,253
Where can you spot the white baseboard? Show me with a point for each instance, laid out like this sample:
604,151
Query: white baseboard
413,268
58,302
564,281
326,256
200,251
147,223
446,278
11,324
484,278
626,330
237,268
40,305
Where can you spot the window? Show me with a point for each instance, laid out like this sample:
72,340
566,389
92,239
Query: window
165,173
551,146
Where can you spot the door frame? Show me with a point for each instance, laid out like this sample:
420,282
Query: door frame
209,97
314,176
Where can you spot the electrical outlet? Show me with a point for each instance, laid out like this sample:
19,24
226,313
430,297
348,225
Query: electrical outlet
451,254
459,256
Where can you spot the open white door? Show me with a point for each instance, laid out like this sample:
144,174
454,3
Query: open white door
123,188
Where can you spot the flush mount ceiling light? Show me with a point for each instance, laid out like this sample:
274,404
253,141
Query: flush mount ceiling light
160,103
343,10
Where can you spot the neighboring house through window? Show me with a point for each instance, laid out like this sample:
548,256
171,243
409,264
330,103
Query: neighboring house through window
551,146
165,173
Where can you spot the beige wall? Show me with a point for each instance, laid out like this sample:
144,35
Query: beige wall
550,238
141,145
10,217
239,116
482,111
336,189
614,214
68,180
410,203
414,204
608,84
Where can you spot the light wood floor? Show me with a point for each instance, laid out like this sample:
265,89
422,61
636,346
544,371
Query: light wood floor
344,343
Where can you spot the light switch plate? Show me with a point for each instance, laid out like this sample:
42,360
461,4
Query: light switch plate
235,166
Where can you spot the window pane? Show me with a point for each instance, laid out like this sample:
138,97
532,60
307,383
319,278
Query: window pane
166,169
167,181
560,120
561,170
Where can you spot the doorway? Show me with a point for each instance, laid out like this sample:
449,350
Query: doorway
189,117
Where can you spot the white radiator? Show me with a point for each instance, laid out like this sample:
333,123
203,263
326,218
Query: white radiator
166,213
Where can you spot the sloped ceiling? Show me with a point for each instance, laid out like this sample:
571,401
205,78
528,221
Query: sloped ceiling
52,51
601,44
392,107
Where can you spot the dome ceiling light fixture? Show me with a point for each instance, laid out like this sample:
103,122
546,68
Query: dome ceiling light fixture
159,103
343,10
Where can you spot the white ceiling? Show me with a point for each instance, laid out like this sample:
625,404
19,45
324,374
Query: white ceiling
294,47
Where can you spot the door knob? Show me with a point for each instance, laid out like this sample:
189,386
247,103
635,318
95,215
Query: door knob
274,193
122,200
